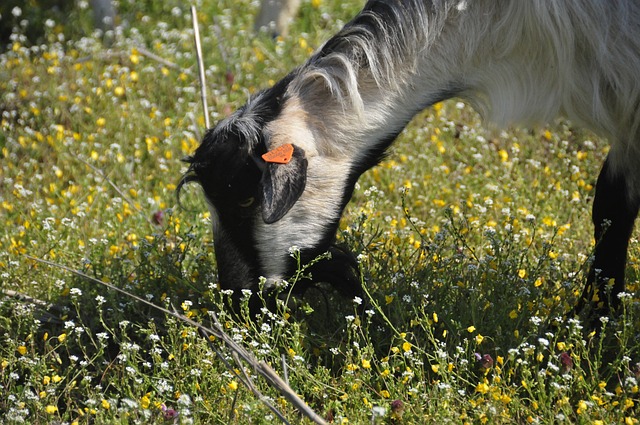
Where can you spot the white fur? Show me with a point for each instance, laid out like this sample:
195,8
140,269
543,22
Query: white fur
514,61
520,61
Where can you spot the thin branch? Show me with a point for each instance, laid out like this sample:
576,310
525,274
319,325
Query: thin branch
238,351
26,298
153,56
108,55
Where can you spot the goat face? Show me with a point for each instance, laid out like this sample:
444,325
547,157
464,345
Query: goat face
261,209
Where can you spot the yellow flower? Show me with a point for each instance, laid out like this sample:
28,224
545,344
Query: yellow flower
233,385
479,339
366,364
46,380
105,404
406,346
471,329
50,409
435,318
582,407
134,58
482,388
56,379
145,401
435,368
22,350
385,394
522,273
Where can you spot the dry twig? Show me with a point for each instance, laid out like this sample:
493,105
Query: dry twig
239,353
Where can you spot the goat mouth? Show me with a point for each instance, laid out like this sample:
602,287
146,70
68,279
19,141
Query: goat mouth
337,268
337,271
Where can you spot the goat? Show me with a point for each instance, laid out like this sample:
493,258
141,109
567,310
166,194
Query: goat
513,61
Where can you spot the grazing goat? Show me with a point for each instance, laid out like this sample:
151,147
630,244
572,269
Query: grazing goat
334,117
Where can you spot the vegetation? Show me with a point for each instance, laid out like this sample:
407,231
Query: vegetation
473,246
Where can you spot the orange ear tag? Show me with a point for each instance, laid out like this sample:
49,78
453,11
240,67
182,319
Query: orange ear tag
280,155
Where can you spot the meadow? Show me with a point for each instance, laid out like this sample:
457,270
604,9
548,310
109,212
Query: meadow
473,244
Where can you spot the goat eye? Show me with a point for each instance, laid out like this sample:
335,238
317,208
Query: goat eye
247,202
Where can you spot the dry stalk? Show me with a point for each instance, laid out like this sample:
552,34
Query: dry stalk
203,87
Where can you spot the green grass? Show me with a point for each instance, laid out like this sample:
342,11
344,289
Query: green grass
472,243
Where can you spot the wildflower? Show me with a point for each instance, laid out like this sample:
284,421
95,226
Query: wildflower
158,217
485,361
397,409
482,388
145,401
366,364
22,350
51,409
566,361
168,412
406,346
233,385
378,411
471,329
105,404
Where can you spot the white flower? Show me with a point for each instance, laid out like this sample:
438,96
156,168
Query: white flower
378,411
184,400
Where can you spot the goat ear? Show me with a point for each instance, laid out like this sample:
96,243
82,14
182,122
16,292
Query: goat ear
282,185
